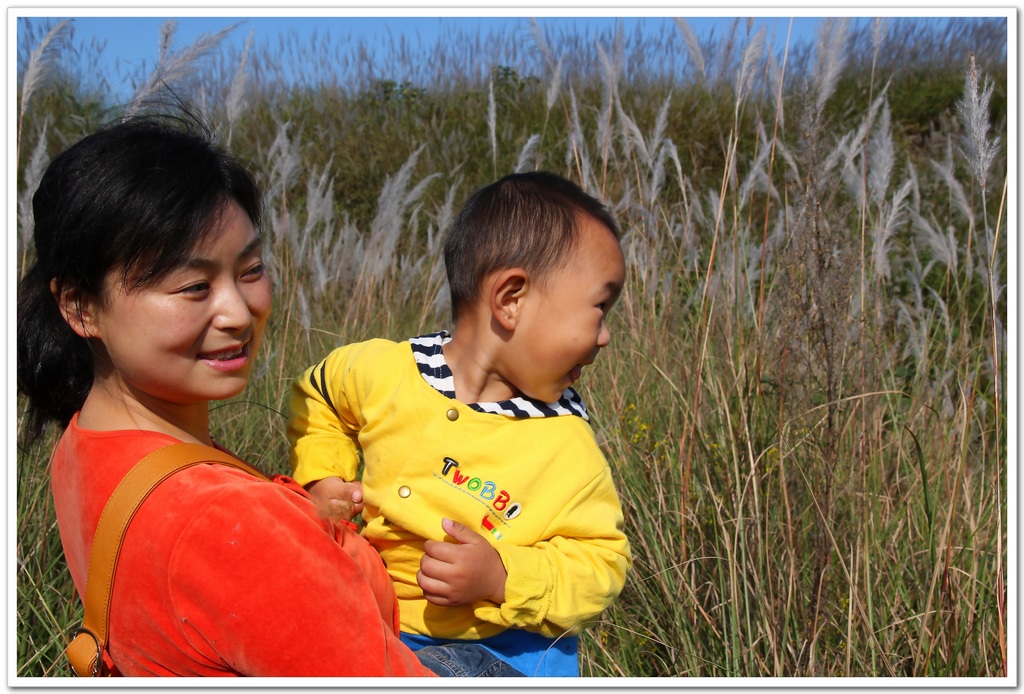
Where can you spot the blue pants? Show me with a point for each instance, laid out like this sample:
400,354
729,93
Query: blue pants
464,659
532,655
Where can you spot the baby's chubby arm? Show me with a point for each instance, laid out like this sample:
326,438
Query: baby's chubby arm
323,426
567,579
337,499
463,571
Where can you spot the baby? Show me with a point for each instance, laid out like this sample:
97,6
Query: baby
483,487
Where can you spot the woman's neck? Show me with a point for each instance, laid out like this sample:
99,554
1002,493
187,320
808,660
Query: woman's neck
109,408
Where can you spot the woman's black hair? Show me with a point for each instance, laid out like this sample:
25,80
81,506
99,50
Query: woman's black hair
133,199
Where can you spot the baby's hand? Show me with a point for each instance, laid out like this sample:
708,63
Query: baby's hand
461,572
336,498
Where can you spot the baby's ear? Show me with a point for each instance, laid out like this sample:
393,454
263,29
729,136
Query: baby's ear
507,288
78,308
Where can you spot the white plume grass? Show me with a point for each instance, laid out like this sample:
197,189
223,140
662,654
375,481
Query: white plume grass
174,66
40,67
976,147
693,48
830,58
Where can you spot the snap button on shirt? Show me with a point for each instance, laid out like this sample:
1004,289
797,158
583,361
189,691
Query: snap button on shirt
404,492
453,414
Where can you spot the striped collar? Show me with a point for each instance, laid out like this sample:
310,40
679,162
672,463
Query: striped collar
435,370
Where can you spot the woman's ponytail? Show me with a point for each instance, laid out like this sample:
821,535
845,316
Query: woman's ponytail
54,363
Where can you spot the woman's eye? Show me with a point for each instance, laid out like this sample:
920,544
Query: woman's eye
255,271
197,288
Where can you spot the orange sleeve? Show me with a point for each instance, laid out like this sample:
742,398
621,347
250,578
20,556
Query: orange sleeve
271,590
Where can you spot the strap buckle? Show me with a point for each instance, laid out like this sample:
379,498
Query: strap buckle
86,659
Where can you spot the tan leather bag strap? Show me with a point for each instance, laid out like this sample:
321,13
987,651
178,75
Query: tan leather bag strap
85,653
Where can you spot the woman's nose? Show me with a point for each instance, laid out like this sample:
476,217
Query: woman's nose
232,311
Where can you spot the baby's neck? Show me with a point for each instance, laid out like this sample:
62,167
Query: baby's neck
474,356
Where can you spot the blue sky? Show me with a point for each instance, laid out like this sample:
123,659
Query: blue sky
136,37
132,34
131,39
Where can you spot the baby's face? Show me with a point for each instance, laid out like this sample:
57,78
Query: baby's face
563,323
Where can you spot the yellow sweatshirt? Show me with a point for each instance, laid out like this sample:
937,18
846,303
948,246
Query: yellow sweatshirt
538,487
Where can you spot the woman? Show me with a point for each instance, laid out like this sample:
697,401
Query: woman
147,300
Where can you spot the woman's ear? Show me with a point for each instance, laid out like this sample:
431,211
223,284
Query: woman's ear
78,308
508,288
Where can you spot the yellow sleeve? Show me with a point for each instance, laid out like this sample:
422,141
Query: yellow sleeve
323,424
563,582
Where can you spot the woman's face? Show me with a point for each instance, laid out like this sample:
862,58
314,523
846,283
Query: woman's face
193,335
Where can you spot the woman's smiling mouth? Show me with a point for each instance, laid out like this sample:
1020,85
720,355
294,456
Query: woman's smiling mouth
227,360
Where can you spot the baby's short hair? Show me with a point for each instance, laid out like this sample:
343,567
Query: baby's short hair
527,220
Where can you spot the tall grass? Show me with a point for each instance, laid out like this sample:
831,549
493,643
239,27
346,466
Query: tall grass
804,403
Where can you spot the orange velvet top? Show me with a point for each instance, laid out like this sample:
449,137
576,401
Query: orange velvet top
224,574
